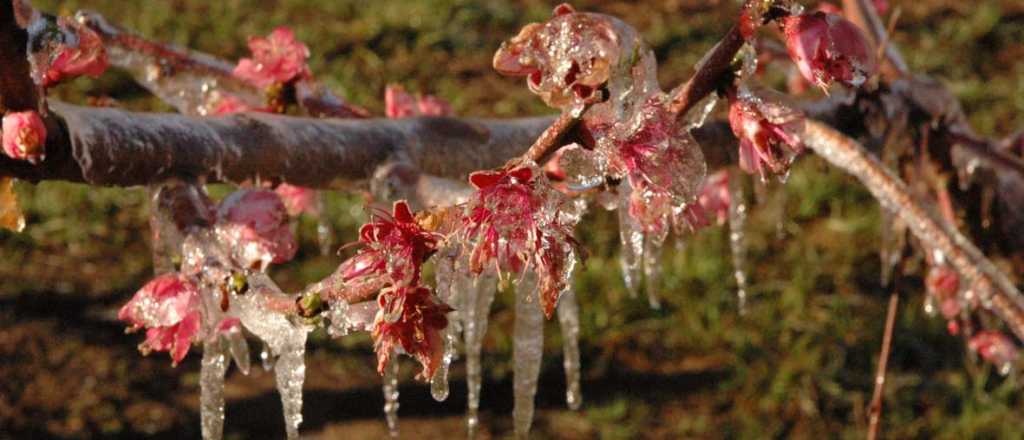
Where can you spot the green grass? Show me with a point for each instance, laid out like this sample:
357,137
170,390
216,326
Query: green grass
799,363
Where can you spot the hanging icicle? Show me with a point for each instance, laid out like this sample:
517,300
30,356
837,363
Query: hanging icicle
477,306
527,351
569,321
737,239
211,389
391,396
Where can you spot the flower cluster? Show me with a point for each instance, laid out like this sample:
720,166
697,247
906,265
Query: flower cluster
24,136
995,348
400,104
517,222
828,48
254,223
276,59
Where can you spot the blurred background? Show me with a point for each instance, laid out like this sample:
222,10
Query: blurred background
799,363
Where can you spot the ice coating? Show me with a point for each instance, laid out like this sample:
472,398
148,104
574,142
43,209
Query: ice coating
569,321
211,390
768,129
390,380
175,210
453,282
527,352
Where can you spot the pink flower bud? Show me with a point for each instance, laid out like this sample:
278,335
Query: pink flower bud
400,104
768,132
827,48
89,58
24,136
943,283
298,199
278,58
995,348
255,222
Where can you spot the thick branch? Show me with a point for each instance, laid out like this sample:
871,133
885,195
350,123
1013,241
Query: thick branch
992,287
17,91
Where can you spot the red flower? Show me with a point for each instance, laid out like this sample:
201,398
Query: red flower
400,104
395,245
24,136
516,223
410,319
255,224
87,57
168,307
996,348
827,48
278,58
768,133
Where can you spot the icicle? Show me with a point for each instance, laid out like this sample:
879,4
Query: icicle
211,389
527,351
631,255
737,241
569,320
239,349
451,282
652,271
391,396
477,306
290,373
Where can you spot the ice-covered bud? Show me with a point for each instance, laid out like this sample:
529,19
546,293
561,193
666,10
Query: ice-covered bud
277,58
566,60
768,131
410,320
87,57
711,206
24,136
168,307
298,199
255,224
400,104
995,348
943,283
828,48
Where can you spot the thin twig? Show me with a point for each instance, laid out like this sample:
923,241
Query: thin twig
883,362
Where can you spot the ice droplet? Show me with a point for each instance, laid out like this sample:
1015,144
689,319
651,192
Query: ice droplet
569,321
737,240
391,396
211,389
652,271
527,351
477,307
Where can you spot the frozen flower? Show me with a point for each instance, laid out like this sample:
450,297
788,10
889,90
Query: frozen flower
298,199
24,136
168,307
827,48
768,132
410,321
87,57
995,348
400,104
255,224
278,58
711,206
517,222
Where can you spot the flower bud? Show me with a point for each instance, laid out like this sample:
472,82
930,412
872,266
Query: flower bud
24,136
828,48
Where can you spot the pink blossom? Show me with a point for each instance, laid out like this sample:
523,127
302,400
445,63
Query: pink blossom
298,199
514,223
827,48
167,307
995,347
411,319
278,58
255,222
24,136
768,134
88,57
943,283
712,205
400,104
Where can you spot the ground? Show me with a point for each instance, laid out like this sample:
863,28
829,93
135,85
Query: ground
799,363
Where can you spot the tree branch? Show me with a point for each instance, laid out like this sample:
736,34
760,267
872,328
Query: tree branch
992,287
